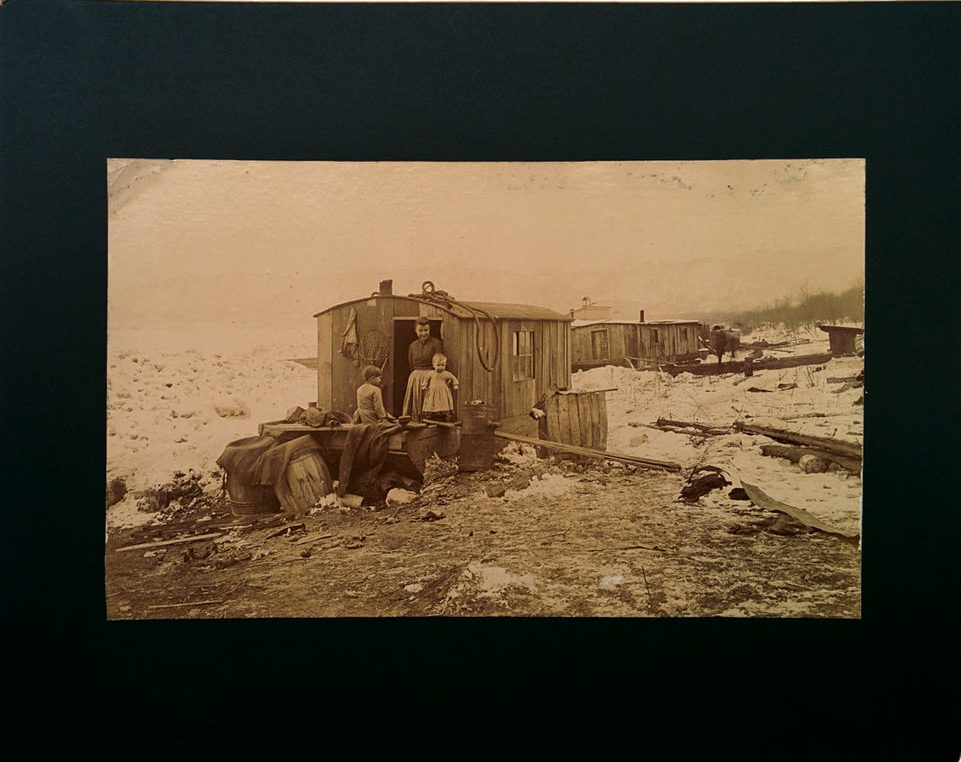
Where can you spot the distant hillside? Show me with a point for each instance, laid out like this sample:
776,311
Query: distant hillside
847,306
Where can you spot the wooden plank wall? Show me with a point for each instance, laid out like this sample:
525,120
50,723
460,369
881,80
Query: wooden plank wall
345,374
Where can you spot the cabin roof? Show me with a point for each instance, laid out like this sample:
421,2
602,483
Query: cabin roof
498,310
843,328
583,323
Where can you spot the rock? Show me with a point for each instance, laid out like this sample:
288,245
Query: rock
812,464
116,490
398,496
738,493
495,489
352,501
519,481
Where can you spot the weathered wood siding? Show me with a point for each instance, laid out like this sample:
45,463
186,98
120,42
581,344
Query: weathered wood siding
633,340
577,418
339,376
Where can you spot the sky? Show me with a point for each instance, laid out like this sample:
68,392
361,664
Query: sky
272,243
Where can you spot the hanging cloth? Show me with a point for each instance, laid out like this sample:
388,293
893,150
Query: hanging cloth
348,343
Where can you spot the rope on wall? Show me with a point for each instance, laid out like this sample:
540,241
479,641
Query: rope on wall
488,359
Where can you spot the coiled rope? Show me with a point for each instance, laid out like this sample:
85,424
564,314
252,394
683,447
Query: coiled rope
487,361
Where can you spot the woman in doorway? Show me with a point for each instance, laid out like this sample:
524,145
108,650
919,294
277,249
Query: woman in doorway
420,357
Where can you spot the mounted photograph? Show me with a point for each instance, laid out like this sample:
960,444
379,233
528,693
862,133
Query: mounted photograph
484,389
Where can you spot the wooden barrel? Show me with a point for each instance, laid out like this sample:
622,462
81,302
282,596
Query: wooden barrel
306,480
477,444
246,499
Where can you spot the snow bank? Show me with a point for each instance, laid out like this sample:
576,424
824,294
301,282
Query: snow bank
175,398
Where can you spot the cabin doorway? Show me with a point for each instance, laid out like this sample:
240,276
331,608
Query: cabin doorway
404,334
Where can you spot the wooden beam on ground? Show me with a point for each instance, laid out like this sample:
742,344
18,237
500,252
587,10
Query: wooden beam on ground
710,430
179,541
794,454
837,446
182,605
590,451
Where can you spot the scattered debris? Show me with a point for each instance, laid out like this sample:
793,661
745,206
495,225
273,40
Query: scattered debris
301,527
495,489
199,552
519,481
785,387
696,489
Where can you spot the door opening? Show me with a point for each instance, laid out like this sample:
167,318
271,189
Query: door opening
404,334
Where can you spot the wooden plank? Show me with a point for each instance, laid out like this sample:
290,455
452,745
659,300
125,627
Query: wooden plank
162,543
184,604
563,431
573,411
594,404
763,500
841,447
551,406
602,416
590,451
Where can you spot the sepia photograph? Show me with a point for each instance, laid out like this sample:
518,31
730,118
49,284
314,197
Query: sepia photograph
484,389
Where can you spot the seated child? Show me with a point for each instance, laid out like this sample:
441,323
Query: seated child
370,402
438,398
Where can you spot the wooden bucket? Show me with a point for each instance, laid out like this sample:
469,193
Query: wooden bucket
306,480
246,499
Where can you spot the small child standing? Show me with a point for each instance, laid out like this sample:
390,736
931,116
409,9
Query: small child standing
438,388
370,402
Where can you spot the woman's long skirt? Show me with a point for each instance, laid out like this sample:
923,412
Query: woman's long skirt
414,398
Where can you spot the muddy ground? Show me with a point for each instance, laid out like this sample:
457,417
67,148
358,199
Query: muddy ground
594,539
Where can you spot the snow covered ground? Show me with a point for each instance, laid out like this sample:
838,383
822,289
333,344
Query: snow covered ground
815,407
175,398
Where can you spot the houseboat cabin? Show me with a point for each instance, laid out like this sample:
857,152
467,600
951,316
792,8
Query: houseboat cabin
507,355
623,342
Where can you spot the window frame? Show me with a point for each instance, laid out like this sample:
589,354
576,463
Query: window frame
523,365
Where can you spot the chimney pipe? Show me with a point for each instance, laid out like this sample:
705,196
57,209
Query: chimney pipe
642,317
386,287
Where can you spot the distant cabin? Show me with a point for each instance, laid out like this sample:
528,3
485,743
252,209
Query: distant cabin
615,342
527,349
844,339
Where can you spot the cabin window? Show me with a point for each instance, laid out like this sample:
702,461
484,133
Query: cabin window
654,338
599,348
523,358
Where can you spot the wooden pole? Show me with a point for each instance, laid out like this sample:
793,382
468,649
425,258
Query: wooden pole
851,449
590,451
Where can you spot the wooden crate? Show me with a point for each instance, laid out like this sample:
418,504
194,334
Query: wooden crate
577,418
